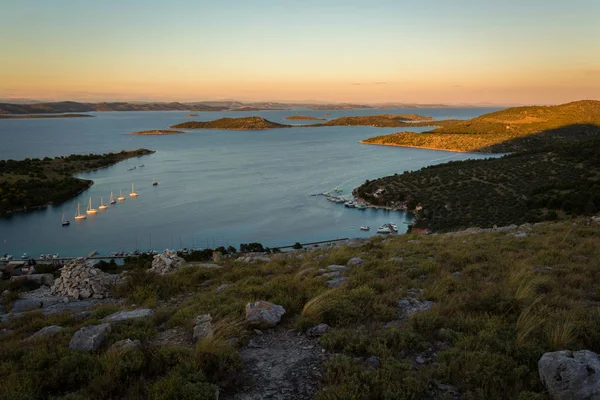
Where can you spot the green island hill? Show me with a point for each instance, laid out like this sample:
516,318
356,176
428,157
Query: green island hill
158,132
45,116
509,130
546,183
31,183
304,118
241,124
445,316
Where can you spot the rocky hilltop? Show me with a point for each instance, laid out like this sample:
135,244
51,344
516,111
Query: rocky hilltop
498,313
513,129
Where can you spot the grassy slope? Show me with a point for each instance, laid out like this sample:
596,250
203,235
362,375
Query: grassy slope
33,182
502,131
512,189
514,300
244,123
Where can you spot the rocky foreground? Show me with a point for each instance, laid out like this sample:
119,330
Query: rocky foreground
505,313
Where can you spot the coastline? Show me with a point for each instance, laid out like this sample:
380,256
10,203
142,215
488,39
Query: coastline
419,147
89,184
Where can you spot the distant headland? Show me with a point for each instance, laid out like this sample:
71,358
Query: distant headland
158,132
45,116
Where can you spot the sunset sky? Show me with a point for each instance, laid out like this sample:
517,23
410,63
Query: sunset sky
425,51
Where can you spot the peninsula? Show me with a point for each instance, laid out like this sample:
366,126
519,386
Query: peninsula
388,121
239,124
45,116
32,183
509,130
158,132
560,179
304,118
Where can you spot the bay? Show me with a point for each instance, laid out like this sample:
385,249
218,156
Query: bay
215,187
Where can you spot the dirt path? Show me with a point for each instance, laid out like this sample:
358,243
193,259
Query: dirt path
279,364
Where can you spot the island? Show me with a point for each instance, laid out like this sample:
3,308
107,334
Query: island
240,124
504,131
304,117
45,116
33,183
76,107
389,121
158,132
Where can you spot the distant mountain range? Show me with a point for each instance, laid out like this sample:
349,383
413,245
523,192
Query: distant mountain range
17,106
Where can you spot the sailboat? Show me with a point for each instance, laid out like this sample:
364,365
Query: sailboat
112,200
91,210
120,198
64,221
154,182
79,215
102,205
133,193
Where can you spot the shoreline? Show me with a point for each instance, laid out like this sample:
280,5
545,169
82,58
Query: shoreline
419,147
90,183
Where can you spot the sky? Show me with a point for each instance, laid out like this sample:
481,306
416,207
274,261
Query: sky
376,51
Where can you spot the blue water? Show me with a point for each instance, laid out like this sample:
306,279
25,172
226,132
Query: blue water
216,187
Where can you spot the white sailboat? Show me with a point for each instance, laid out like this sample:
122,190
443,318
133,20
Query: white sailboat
112,199
154,182
102,205
121,198
133,193
64,221
79,215
91,210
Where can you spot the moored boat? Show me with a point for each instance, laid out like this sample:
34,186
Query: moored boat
64,221
384,229
91,210
79,215
102,205
112,200
133,193
154,182
121,197
364,228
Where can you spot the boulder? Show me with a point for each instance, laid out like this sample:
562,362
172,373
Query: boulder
166,262
125,315
573,375
317,330
337,268
47,331
372,362
396,259
89,338
334,274
263,314
202,327
355,262
411,304
336,282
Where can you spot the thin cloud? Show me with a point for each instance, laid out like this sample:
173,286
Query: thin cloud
368,83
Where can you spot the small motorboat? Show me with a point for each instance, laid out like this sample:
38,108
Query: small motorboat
350,204
24,256
364,228
142,165
384,229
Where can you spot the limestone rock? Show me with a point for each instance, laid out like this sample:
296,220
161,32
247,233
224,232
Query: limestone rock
573,375
43,279
22,305
337,268
372,362
202,327
47,331
125,315
355,262
334,274
82,281
411,304
222,287
166,262
89,338
336,282
263,314
317,330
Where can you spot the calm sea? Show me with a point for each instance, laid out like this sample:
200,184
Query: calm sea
216,187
